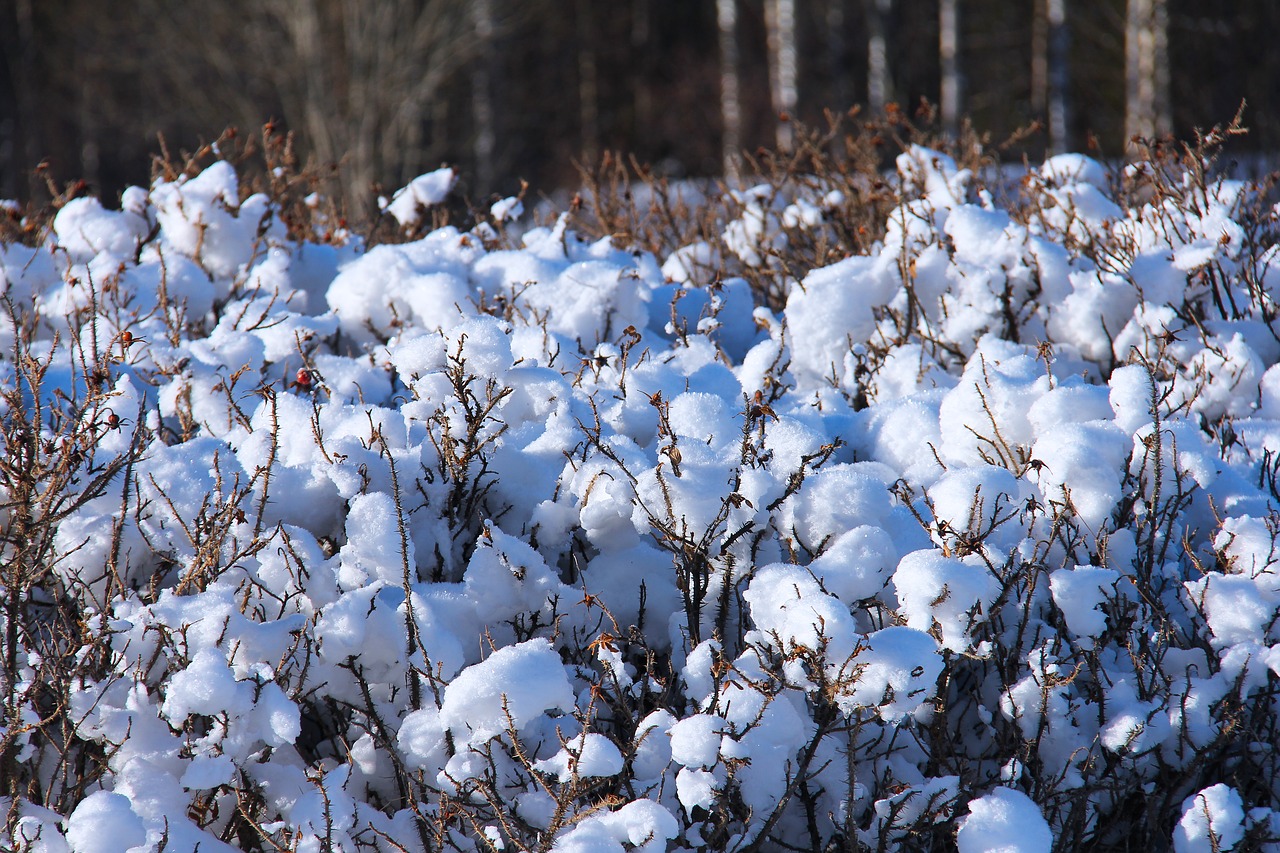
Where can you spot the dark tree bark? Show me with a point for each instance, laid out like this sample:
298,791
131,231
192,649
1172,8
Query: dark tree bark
588,81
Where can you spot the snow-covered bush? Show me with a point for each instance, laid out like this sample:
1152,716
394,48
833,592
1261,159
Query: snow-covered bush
957,531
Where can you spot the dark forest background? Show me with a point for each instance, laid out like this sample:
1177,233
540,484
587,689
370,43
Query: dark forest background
521,89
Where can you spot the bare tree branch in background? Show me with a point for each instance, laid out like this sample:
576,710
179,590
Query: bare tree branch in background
357,79
363,77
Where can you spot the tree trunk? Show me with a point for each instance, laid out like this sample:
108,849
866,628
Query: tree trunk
1058,78
588,82
879,84
641,75
730,98
948,43
1138,77
482,111
1040,57
1163,99
780,20
28,141
1146,47
837,58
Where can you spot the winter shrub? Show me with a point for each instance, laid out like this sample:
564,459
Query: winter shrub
851,510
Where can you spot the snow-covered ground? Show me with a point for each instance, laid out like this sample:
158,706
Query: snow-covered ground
458,545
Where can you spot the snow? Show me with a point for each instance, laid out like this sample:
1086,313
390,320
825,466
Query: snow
421,285
695,741
896,673
642,826
696,788
835,307
552,542
789,607
586,756
105,823
423,191
1081,593
1075,168
204,219
507,209
936,590
512,687
85,230
206,686
1212,819
1004,821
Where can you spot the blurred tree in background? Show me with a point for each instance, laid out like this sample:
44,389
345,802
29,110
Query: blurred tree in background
511,89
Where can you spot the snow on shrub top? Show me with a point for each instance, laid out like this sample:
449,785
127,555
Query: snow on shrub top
423,191
1004,821
511,687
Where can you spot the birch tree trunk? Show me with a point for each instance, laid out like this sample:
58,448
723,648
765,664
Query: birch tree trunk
482,108
1163,96
948,43
1059,78
1146,47
780,21
1050,71
730,86
879,84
